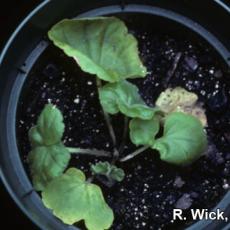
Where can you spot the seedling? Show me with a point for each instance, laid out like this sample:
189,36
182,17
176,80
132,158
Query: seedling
112,172
103,47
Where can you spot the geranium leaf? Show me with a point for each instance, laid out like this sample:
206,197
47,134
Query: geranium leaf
173,99
101,46
183,141
181,100
72,199
46,163
48,157
49,128
123,97
143,132
108,170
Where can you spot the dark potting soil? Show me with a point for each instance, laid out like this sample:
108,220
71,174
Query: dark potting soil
151,188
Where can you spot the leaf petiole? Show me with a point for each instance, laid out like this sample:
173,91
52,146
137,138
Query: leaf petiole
135,153
94,152
107,118
109,125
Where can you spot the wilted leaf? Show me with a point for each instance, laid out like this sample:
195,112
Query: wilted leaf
101,46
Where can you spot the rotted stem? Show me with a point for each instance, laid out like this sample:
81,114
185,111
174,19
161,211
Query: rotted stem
94,152
135,153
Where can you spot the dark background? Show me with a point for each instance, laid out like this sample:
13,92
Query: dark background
12,13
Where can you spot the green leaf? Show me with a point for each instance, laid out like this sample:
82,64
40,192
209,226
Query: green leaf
124,97
143,132
183,141
49,129
117,174
108,170
49,157
101,46
46,163
72,199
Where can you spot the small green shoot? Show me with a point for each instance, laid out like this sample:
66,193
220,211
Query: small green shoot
112,172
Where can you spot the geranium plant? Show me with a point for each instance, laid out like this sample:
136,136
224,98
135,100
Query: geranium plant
104,48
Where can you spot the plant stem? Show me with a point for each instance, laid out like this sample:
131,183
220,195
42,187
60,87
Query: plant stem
110,128
107,118
115,156
90,179
109,125
95,152
135,153
124,137
108,182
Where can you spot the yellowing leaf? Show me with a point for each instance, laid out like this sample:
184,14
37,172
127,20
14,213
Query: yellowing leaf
196,111
181,100
72,199
101,46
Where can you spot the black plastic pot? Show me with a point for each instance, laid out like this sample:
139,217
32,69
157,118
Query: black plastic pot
28,43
